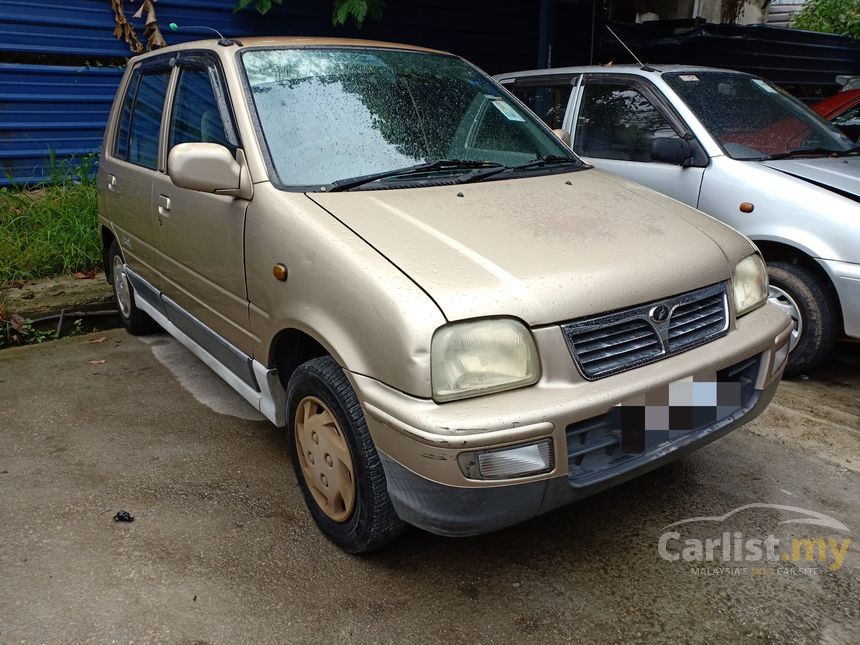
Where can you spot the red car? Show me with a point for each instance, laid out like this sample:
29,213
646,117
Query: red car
843,110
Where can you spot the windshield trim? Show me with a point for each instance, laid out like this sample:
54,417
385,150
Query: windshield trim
263,144
717,142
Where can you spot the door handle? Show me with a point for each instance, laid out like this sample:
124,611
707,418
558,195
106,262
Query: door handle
111,184
163,206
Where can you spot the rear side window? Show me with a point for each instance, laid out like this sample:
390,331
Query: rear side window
548,100
121,149
140,120
196,116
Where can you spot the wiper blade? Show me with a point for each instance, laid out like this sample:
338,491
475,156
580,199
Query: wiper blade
804,152
549,160
440,165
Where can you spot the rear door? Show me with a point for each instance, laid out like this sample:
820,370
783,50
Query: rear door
201,235
617,118
130,164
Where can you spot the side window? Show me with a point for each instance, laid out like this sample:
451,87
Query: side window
140,120
548,101
121,147
617,121
195,116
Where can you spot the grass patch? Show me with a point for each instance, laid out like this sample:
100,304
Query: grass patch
51,229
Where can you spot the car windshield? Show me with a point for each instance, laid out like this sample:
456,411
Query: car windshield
331,114
752,119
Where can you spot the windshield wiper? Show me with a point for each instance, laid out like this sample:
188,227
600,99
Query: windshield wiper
549,160
804,152
480,169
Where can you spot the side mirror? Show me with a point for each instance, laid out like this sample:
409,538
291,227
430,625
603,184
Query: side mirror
562,134
678,152
207,167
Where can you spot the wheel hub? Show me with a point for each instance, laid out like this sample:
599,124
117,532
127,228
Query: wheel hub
325,459
784,301
121,287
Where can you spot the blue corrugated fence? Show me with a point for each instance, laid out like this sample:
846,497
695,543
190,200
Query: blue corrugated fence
47,108
63,109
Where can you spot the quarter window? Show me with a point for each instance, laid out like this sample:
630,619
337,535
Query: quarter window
140,120
196,116
617,121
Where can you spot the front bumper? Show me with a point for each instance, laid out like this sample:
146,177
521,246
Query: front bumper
846,279
419,441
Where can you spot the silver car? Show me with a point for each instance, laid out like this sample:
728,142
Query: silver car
740,149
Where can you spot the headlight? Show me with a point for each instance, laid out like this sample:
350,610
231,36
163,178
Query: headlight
749,284
480,357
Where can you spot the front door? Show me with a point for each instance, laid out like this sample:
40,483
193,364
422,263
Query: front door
617,119
201,235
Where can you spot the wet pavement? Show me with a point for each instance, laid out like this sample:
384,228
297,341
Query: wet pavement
222,549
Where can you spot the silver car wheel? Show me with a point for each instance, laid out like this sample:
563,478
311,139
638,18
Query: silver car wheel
121,287
781,299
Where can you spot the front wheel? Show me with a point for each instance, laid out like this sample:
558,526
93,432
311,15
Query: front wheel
803,296
336,463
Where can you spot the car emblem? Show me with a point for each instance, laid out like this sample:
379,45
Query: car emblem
660,313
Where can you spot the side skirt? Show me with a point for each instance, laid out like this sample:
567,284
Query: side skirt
261,387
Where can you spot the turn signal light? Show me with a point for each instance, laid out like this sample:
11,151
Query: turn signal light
523,460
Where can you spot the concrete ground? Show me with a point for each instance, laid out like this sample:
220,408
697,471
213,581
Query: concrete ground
223,551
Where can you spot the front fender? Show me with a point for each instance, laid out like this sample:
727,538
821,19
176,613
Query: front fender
371,317
787,209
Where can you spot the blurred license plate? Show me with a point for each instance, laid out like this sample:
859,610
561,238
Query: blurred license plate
666,413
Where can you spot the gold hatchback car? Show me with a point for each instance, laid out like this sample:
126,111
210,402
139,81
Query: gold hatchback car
460,323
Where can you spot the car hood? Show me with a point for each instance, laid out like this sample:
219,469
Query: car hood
543,249
840,174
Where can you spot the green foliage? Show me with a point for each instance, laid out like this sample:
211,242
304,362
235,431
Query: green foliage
830,16
262,6
52,229
342,10
358,10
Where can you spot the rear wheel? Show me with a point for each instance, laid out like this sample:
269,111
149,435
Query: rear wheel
133,319
336,463
803,296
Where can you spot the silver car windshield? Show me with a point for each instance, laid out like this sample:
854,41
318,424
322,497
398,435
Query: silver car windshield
753,119
330,114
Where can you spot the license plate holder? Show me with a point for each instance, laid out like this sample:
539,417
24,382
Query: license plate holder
666,413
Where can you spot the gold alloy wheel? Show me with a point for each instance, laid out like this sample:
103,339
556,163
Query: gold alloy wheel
325,459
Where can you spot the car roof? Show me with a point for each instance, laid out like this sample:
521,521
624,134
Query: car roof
289,41
656,68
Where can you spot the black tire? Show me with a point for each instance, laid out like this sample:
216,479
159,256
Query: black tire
373,521
817,311
133,319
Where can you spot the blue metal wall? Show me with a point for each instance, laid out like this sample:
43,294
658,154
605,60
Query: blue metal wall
45,108
63,109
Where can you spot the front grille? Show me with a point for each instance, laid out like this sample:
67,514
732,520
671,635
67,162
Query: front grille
620,341
594,449
696,321
631,341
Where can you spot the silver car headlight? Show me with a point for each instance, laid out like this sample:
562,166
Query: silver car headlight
749,284
482,356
